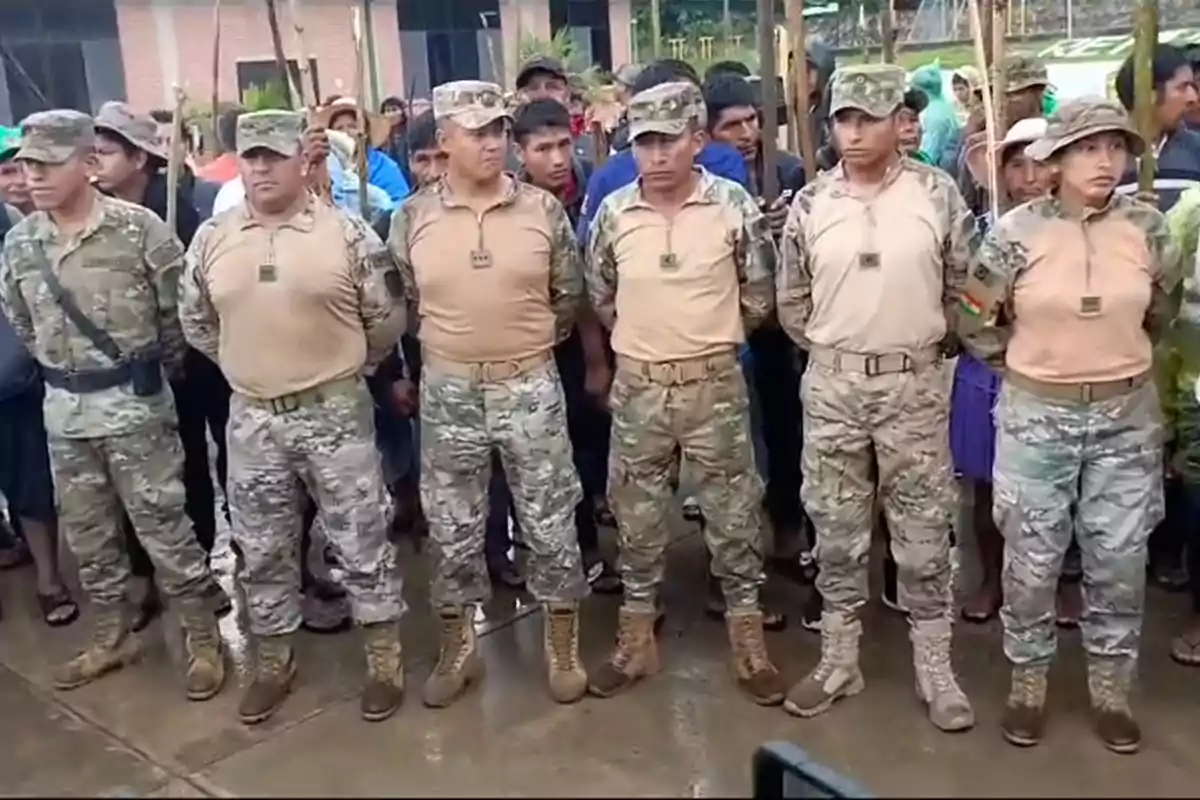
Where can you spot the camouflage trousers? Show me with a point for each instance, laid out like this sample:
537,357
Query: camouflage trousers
143,473
523,418
327,447
700,407
1103,460
900,422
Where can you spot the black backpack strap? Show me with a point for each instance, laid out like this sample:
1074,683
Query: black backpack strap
103,342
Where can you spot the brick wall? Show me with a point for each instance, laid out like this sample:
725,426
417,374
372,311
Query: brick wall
161,45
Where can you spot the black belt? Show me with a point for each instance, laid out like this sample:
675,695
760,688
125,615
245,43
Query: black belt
86,381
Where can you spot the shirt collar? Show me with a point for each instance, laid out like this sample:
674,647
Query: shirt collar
303,220
512,187
702,194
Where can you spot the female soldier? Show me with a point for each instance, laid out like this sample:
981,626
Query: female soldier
1071,292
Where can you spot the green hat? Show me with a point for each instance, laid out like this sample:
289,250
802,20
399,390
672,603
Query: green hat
667,109
876,89
1079,119
55,136
277,131
10,142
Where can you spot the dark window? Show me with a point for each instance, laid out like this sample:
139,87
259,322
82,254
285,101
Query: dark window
266,72
452,56
444,15
45,75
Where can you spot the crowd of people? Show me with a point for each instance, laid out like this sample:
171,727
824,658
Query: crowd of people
512,337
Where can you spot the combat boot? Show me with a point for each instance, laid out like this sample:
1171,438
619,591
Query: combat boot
383,691
459,664
752,667
937,686
274,672
1024,717
837,674
1109,682
560,634
205,655
635,656
111,647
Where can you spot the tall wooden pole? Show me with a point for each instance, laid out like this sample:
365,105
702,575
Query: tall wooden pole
368,34
308,83
216,77
797,38
887,32
1145,40
656,27
770,103
364,138
285,74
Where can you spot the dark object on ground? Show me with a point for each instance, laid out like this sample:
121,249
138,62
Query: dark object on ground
783,770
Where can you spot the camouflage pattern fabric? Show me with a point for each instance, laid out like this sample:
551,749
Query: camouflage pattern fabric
874,89
901,422
1179,364
123,272
1023,72
1079,119
1105,460
330,446
668,108
524,418
139,130
53,137
983,325
143,473
471,104
277,131
708,420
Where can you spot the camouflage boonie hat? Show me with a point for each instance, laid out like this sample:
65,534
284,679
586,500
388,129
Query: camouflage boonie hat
139,130
277,131
1024,72
53,137
472,104
875,89
1079,119
667,109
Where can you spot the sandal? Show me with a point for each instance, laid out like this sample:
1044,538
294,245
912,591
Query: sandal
58,608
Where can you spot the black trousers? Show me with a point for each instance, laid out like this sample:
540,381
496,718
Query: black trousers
778,365
202,405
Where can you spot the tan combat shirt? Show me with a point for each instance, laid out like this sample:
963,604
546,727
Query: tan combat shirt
875,272
288,308
123,271
682,287
503,285
1066,299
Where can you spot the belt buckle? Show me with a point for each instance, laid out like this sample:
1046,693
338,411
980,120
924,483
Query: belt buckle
285,404
497,371
872,366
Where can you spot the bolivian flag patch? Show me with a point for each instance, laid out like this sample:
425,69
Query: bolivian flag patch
971,305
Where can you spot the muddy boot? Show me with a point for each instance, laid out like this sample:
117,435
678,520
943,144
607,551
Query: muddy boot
458,663
568,679
836,675
1109,682
1025,712
111,647
205,654
635,656
274,672
937,686
383,690
752,667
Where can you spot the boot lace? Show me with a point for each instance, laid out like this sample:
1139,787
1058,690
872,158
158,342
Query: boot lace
753,647
454,644
1108,687
626,638
562,640
1028,687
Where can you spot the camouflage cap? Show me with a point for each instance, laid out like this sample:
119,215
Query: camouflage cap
876,89
1023,72
140,130
667,108
1079,119
53,137
277,131
472,104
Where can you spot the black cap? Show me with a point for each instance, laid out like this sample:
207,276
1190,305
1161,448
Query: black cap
547,64
915,100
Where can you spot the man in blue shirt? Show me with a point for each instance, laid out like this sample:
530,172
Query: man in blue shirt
620,170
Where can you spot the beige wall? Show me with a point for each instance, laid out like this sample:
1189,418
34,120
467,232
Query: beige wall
620,15
519,19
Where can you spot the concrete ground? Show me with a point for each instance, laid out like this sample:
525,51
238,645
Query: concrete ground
687,732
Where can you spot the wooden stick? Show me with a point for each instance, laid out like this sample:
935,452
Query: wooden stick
770,103
360,151
804,131
989,110
308,84
216,77
999,92
1145,41
285,74
174,158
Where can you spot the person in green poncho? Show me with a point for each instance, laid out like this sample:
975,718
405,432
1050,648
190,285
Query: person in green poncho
939,121
12,179
1049,101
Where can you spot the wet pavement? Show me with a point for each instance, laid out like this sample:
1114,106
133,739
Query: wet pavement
686,732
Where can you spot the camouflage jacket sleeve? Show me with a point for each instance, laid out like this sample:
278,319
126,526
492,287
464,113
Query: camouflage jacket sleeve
959,250
164,265
12,303
397,245
984,318
1165,291
1183,229
198,316
566,273
377,281
756,257
601,266
793,280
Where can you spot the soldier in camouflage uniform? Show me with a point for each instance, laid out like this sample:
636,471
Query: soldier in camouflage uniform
104,346
680,267
491,267
875,310
290,296
1071,292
